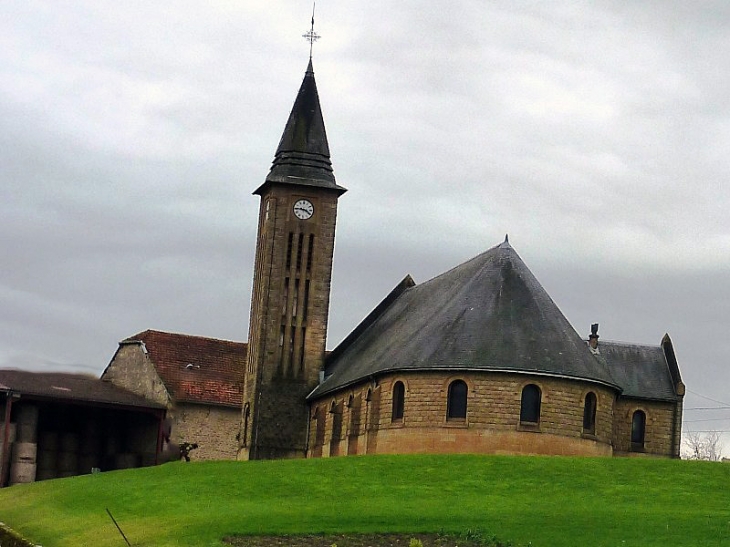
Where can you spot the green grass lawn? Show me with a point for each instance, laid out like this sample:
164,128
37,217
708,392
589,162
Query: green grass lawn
542,501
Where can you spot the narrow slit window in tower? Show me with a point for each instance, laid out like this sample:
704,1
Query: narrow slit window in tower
310,252
301,349
285,297
295,304
289,249
305,304
300,247
282,332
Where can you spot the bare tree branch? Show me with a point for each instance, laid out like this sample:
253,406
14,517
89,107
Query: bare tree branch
702,446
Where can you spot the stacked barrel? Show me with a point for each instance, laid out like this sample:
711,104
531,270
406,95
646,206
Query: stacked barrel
47,455
25,449
68,447
90,447
112,446
136,450
68,454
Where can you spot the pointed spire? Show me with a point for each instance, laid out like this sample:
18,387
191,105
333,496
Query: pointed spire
303,155
505,244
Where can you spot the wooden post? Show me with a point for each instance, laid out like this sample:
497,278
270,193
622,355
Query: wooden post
6,436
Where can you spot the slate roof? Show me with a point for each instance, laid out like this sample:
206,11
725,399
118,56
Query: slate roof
487,314
196,369
642,371
70,387
303,154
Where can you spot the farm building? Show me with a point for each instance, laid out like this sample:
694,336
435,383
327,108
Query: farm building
159,389
197,380
61,425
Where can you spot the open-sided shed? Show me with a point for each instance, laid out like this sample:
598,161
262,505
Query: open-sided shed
61,425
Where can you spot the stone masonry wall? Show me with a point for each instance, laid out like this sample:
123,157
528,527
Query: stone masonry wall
131,369
214,428
660,433
492,424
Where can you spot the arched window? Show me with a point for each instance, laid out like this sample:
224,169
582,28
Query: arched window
319,431
638,429
456,402
589,414
530,404
399,397
336,411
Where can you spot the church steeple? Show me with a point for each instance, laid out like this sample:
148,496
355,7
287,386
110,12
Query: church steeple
291,288
303,154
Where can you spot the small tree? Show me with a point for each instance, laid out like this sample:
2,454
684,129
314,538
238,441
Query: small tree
703,446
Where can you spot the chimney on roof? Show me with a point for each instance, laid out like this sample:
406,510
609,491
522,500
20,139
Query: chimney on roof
593,338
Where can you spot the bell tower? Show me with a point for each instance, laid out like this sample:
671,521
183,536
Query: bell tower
291,286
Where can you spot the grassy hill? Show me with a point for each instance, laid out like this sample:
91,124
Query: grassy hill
542,501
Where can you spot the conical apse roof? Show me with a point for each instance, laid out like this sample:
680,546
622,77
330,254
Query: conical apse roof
487,314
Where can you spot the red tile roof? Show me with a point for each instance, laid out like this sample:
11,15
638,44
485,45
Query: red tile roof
197,369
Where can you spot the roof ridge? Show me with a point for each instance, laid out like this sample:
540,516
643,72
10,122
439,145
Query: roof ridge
623,343
405,284
139,337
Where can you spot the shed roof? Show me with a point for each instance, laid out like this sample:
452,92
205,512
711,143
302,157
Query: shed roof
196,369
70,387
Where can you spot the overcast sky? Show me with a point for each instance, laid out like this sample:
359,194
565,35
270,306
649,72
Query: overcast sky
597,134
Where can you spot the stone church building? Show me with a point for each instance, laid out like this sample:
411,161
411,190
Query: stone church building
478,359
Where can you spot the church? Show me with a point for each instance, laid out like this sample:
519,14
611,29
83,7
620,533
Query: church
478,359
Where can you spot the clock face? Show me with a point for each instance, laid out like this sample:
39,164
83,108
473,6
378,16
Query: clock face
303,209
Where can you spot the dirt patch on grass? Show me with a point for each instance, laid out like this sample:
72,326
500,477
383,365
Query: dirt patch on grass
358,540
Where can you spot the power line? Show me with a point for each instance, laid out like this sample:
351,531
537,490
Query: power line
707,420
709,398
709,408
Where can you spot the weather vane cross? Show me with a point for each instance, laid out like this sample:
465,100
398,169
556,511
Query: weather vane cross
310,35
